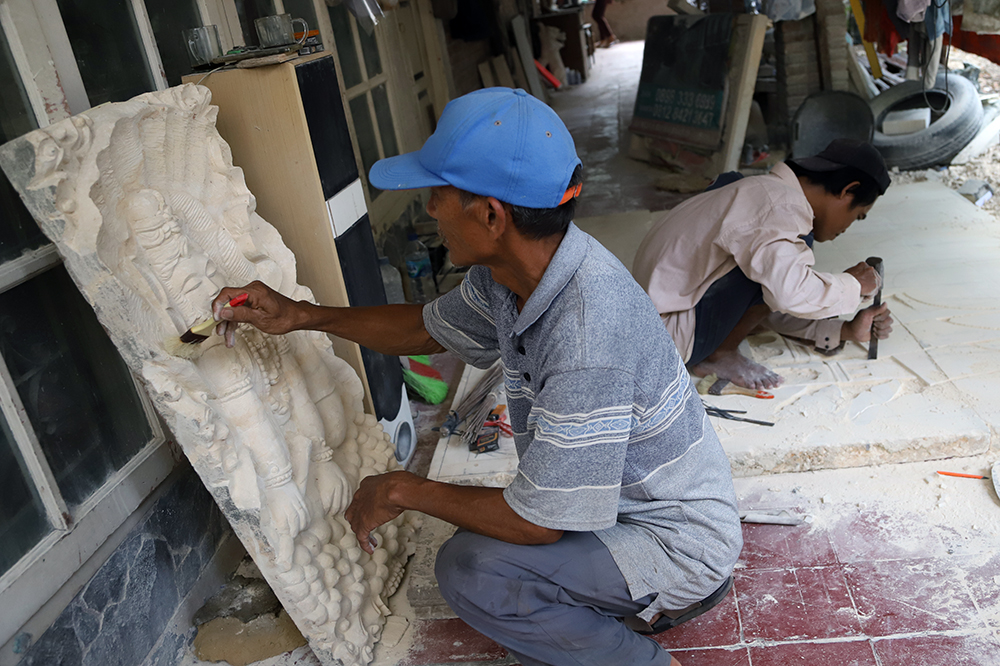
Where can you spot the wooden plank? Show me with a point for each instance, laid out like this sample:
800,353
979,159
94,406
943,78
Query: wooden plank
859,18
504,77
265,61
262,119
436,57
520,80
749,36
861,78
486,74
523,41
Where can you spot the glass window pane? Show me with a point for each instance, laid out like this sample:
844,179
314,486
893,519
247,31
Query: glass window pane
249,11
365,129
380,98
170,18
76,389
302,9
22,517
18,231
108,49
346,51
16,117
369,49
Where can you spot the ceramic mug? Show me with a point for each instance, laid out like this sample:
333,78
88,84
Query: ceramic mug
203,45
277,30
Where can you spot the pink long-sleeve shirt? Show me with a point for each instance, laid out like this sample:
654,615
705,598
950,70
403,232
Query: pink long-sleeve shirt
756,224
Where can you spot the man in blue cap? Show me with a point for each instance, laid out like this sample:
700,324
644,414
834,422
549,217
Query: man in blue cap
623,502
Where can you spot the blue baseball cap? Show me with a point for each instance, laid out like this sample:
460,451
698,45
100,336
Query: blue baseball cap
496,142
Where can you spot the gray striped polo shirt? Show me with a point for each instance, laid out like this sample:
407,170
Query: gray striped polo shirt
610,436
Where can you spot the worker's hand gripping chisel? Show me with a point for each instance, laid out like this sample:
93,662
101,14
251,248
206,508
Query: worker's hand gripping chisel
876,263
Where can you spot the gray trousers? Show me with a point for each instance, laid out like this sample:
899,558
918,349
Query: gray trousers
552,605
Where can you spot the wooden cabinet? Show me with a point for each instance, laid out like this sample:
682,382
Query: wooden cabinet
575,53
288,131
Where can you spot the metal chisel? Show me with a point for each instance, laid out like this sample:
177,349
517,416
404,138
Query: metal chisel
876,263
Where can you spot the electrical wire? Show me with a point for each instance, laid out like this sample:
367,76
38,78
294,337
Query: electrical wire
208,74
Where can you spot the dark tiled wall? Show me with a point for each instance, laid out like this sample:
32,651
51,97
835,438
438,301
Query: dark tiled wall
119,616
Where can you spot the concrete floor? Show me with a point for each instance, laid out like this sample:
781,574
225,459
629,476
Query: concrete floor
894,564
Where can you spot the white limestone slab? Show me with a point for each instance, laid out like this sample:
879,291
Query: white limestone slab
921,399
929,395
143,202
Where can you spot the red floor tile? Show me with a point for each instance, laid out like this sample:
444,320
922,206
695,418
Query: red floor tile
719,626
782,546
983,579
449,641
712,657
853,653
903,596
950,650
778,604
874,535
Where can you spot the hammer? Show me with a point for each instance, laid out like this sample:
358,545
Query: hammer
876,263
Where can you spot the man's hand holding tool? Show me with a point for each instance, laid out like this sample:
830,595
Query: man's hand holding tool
870,279
265,308
876,264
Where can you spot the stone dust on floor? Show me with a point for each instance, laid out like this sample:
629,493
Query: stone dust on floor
893,566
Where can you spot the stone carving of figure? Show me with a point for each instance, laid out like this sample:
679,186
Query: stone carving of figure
152,218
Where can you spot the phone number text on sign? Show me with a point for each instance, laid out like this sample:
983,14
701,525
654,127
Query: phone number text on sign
684,107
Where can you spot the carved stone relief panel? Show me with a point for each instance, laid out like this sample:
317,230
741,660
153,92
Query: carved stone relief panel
152,219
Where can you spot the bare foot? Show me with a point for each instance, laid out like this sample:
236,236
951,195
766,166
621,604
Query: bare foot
738,369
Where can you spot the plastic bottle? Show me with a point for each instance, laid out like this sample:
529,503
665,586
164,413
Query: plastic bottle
392,282
418,268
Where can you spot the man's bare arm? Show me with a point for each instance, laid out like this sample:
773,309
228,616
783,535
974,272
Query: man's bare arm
396,330
484,511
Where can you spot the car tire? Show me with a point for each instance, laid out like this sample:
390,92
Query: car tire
946,135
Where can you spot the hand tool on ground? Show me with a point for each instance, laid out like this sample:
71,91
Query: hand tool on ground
475,401
487,436
729,414
964,476
876,263
769,517
712,385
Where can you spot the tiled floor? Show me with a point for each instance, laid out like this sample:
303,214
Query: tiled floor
875,579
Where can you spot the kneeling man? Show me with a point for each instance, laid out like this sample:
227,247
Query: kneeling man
740,255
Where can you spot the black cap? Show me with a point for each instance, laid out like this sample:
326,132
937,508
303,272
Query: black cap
849,153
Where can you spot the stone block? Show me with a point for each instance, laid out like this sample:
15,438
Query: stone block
906,121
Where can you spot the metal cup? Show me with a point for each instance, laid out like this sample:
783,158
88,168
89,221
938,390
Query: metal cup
203,45
277,30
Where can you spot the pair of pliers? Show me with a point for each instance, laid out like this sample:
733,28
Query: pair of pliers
500,423
729,414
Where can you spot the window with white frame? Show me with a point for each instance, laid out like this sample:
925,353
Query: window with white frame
80,445
365,87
